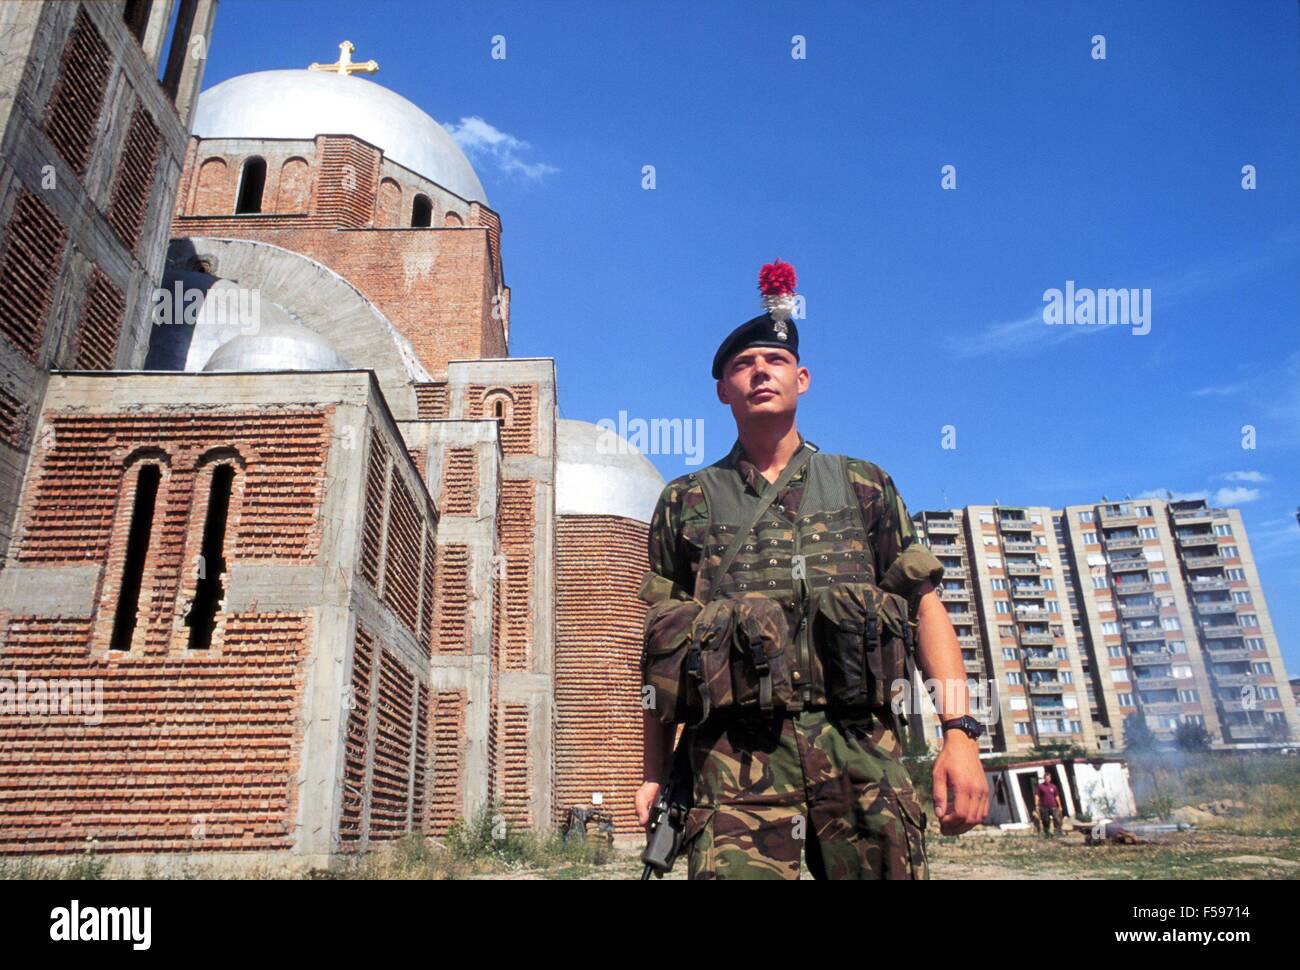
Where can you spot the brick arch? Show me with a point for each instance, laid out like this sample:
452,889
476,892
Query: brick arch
452,219
212,195
388,208
294,189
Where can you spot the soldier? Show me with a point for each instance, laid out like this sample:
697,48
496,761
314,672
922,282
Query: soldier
787,591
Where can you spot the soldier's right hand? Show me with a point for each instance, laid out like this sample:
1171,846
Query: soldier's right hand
646,796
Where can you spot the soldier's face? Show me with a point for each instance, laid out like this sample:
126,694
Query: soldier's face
762,381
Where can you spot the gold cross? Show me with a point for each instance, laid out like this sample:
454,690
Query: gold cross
344,64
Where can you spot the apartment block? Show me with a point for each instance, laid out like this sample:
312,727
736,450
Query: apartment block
1087,617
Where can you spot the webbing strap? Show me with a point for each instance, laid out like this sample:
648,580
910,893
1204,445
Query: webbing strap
792,467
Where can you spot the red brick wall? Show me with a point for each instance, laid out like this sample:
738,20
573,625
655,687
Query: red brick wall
134,178
182,761
517,524
600,561
452,630
448,734
356,742
30,260
102,310
72,113
431,401
516,792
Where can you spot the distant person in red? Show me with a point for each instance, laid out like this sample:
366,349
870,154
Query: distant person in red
1049,801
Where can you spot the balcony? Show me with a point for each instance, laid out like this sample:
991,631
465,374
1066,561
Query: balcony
1229,656
1144,635
1028,590
1148,657
1129,565
1191,515
1242,732
1048,687
1021,547
1117,545
1139,610
1037,640
969,643
955,595
1158,683
1034,662
955,572
942,527
1128,589
1008,524
1241,707
1023,569
1236,680
947,548
1208,585
1200,539
1216,607
1163,707
1116,519
1032,616
961,616
1203,562
973,666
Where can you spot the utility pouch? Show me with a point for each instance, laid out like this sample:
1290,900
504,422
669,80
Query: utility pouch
760,676
708,664
666,686
862,639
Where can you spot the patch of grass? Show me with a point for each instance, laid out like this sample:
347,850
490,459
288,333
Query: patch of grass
88,866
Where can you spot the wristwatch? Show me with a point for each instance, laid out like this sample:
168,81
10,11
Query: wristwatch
966,723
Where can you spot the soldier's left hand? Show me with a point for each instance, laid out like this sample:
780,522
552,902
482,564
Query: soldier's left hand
961,791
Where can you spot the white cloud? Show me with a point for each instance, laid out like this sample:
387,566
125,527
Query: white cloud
1172,496
1218,390
1235,496
485,142
1245,477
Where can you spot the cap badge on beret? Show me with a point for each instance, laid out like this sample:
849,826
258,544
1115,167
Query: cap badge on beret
775,327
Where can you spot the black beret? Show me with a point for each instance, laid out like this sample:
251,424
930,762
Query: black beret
762,331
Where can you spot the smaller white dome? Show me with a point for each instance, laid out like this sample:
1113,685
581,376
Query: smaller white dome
276,345
597,472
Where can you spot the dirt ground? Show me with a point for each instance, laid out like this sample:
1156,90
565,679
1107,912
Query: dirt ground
988,853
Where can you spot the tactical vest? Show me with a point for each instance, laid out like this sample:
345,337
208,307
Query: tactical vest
796,621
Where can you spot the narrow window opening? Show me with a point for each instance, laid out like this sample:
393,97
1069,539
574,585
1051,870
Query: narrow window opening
174,54
251,185
202,617
136,15
137,548
500,409
421,212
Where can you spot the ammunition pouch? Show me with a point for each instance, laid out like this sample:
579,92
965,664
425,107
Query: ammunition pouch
862,638
760,673
665,676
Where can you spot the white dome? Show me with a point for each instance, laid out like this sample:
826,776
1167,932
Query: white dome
304,104
599,473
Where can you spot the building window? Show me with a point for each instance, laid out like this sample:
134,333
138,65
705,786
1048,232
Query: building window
1098,582
1241,596
999,583
1008,653
1236,574
1002,606
1147,532
1230,552
1223,530
135,14
137,548
1115,650
202,617
252,183
421,212
1250,619
1013,678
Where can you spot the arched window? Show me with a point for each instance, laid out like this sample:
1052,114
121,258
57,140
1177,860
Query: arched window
451,219
137,550
421,212
208,594
252,182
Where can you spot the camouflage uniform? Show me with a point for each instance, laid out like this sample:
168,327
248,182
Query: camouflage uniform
825,781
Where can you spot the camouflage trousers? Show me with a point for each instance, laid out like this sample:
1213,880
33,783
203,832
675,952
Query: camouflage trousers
831,789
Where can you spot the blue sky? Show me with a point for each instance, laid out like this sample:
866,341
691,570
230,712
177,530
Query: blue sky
923,305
